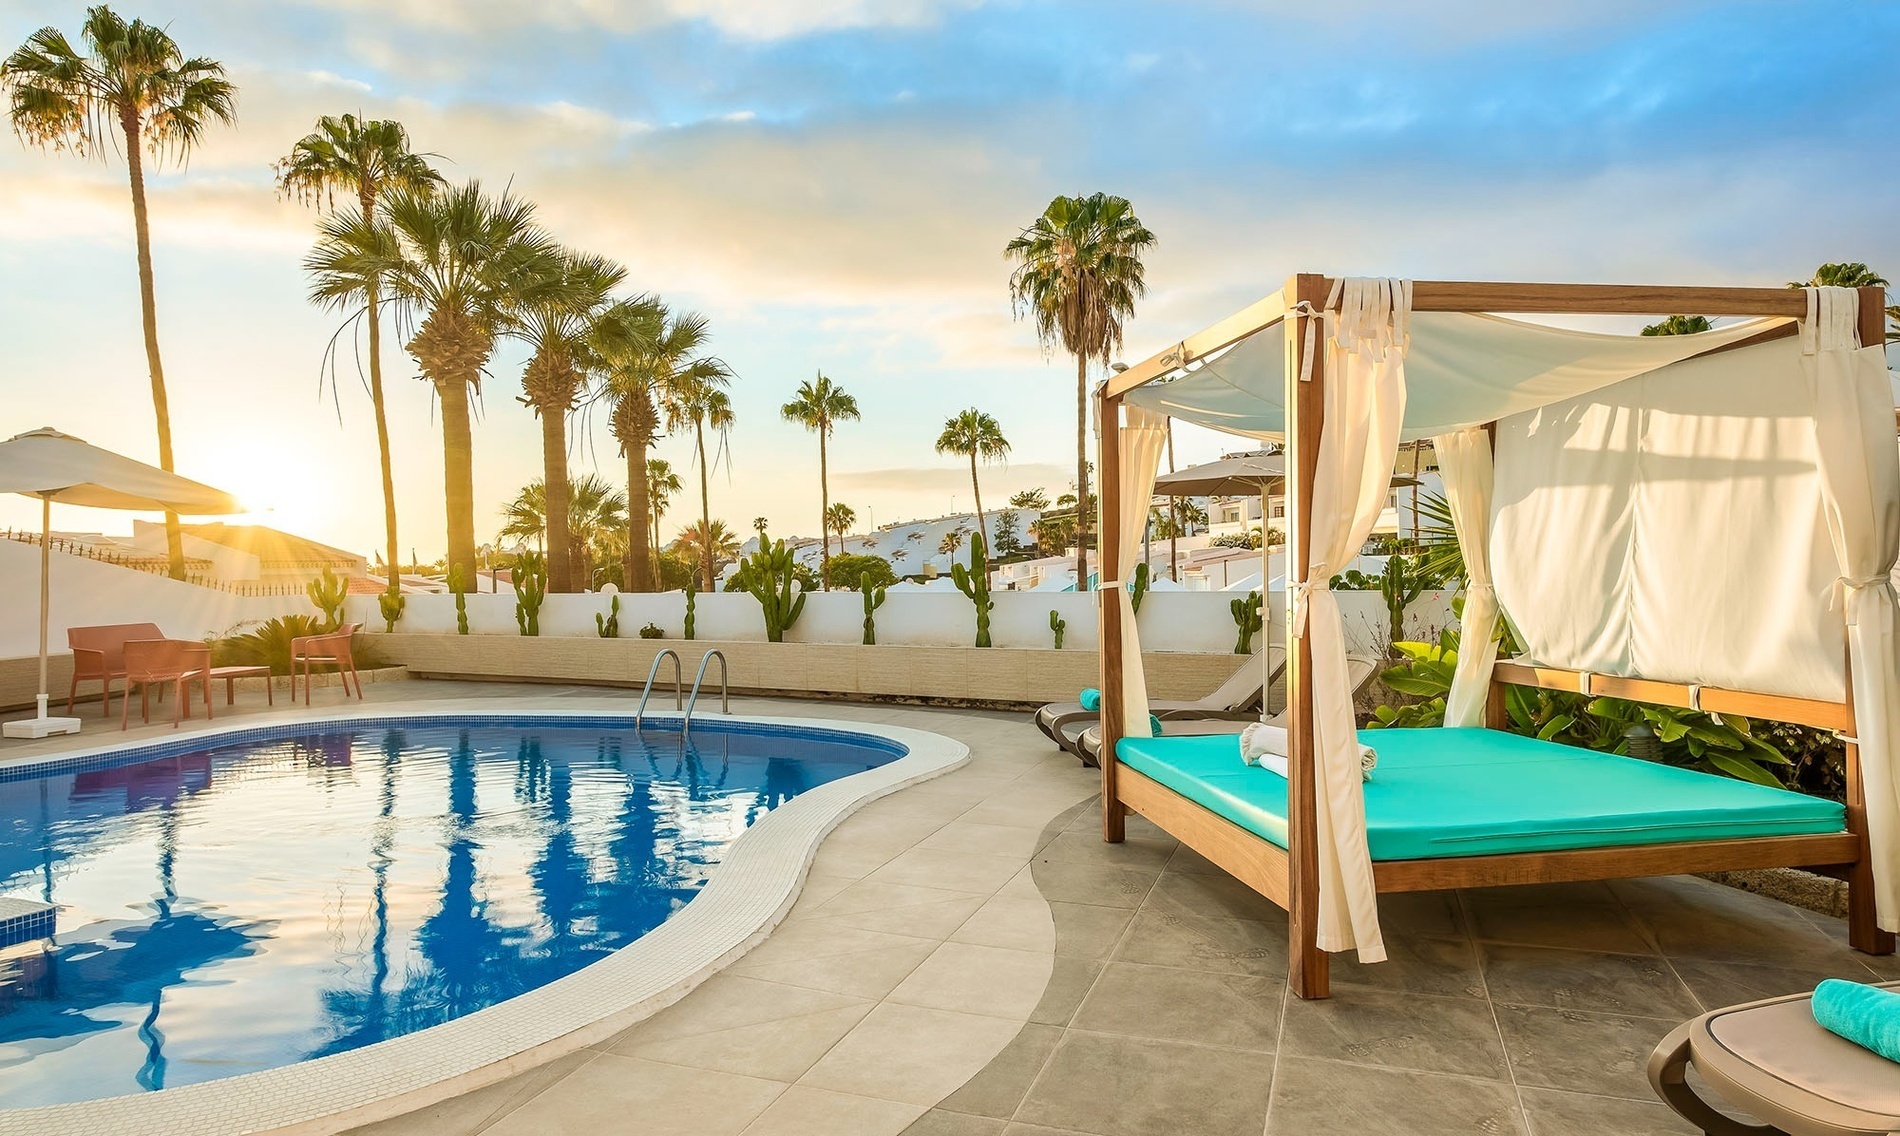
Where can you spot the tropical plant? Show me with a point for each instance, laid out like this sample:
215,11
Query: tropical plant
1138,586
768,575
636,356
390,603
839,517
1030,499
530,578
853,572
462,255
760,524
1853,274
133,89
267,644
1078,274
698,540
596,515
1007,542
652,631
692,594
974,582
974,435
1058,626
1400,584
608,626
458,586
819,406
564,312
1439,555
1247,618
1679,325
662,485
703,406
951,541
873,599
328,592
359,159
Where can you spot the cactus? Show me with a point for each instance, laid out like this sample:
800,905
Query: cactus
458,583
692,591
1400,585
873,599
767,574
328,593
652,631
531,588
609,625
1058,625
1246,617
391,602
1138,587
974,582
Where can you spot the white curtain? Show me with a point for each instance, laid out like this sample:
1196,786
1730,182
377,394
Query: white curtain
1464,462
1143,437
1860,480
1366,326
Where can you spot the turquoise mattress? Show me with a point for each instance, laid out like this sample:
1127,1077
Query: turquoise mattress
1478,792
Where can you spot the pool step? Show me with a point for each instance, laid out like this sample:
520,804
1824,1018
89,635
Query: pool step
25,921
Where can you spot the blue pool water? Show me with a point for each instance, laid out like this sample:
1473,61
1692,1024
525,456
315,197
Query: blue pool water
243,906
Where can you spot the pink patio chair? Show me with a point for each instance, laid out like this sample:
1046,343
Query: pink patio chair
161,663
99,654
331,650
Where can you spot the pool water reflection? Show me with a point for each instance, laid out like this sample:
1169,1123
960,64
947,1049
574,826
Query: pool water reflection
247,906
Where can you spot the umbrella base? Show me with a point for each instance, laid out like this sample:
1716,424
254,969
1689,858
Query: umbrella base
40,727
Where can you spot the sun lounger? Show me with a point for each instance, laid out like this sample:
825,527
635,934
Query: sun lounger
1239,697
1771,1060
1085,741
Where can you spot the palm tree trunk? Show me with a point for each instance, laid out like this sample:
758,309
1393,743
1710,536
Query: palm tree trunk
148,312
1081,473
824,517
976,489
639,565
657,581
458,475
555,490
705,505
373,309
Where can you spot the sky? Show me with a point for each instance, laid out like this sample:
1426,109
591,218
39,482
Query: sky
831,182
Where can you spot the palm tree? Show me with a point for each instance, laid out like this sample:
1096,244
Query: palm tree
710,538
1078,274
563,314
700,402
463,256
822,404
759,525
974,434
132,76
360,158
839,518
1030,499
662,484
951,541
1852,274
596,518
640,380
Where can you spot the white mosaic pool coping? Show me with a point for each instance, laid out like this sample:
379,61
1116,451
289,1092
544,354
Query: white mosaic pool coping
747,896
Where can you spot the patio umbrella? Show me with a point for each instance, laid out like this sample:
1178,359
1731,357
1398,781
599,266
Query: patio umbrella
52,466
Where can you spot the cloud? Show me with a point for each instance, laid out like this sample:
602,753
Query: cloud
744,19
941,481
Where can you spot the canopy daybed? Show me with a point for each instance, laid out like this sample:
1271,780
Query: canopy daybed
1705,521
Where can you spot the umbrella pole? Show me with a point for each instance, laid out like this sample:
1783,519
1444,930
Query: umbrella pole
41,725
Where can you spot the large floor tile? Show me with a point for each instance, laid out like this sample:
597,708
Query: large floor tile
1415,964
1189,893
730,1001
1066,882
1019,923
1084,930
953,871
1591,924
911,1054
1184,1005
898,909
940,1122
1553,1113
1069,982
1331,1098
804,1111
778,1050
1718,984
973,979
1585,980
1695,919
1407,1031
1016,841
1196,942
999,1089
1587,1053
1126,1086
1143,853
472,1112
668,1100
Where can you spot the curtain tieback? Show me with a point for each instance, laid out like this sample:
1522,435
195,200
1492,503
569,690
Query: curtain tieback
1313,320
1845,586
1299,594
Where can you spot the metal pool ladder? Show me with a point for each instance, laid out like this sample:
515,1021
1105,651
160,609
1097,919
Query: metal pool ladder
653,673
725,694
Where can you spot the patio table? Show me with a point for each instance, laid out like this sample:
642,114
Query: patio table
230,675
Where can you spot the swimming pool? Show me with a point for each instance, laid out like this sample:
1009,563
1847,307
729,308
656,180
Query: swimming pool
301,892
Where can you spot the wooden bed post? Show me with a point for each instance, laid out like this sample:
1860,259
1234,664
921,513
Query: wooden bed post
1108,413
1307,965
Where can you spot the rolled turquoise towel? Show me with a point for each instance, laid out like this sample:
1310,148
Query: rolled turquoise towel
1091,699
1154,726
1865,1015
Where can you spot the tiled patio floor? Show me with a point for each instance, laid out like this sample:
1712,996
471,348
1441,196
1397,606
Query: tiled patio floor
928,979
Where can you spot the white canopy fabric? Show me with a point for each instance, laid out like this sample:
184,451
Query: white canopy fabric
52,466
1143,437
1465,464
1462,369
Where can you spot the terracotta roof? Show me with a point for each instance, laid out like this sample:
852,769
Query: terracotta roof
271,546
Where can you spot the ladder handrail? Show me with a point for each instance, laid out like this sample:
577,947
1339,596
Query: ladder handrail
653,672
725,691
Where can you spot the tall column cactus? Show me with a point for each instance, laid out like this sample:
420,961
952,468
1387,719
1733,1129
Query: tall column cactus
1058,625
1400,584
692,593
391,602
974,582
873,599
531,587
1248,619
328,592
1138,589
767,574
458,584
608,625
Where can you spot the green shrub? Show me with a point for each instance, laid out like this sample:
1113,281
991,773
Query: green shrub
855,572
265,645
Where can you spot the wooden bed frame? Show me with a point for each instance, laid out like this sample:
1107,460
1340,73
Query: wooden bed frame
1290,877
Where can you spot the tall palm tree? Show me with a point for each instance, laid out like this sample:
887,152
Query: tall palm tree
596,518
361,159
711,538
759,525
662,484
463,256
951,541
641,380
974,434
704,405
132,77
820,405
1852,274
839,517
1078,274
562,315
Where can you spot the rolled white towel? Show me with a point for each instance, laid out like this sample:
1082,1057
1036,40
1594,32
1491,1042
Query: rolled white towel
1265,745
